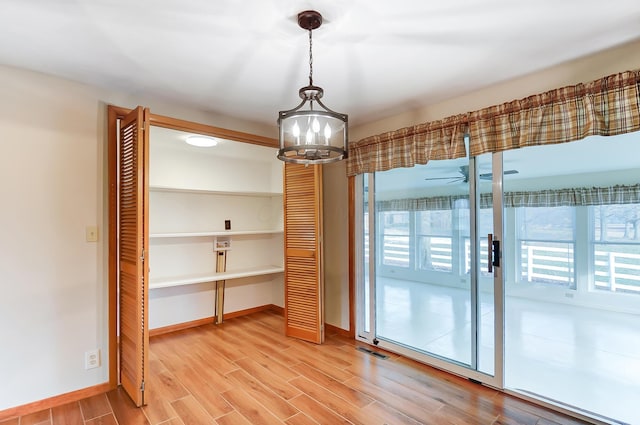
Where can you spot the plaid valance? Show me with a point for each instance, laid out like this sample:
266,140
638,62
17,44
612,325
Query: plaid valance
575,197
607,107
409,146
433,203
570,197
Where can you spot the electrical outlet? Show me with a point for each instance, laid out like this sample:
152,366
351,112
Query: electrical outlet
92,233
92,359
227,225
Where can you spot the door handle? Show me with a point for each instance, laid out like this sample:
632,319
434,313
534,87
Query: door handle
493,252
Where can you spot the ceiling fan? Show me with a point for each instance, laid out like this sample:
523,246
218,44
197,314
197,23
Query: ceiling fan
464,175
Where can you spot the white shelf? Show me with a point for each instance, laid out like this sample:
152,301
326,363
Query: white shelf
202,278
216,233
213,192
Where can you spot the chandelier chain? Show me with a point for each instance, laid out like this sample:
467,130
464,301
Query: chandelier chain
310,59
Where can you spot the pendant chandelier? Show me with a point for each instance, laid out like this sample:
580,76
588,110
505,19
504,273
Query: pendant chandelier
311,133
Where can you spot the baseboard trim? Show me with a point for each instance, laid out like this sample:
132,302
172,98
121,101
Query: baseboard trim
336,330
211,320
239,313
55,401
277,309
181,326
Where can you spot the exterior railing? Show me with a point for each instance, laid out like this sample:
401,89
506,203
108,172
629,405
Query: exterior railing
541,262
617,271
547,262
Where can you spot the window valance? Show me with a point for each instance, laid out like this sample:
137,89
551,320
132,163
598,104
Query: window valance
611,195
409,146
574,197
607,106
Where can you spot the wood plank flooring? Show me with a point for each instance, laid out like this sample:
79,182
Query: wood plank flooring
246,372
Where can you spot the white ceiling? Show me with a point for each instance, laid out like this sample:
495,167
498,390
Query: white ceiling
248,58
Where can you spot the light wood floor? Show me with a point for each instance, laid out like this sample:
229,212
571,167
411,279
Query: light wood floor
246,372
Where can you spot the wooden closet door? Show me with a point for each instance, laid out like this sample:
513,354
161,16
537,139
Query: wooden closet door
304,283
133,235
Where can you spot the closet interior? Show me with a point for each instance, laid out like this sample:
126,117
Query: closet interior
215,230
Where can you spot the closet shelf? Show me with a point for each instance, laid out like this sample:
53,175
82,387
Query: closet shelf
213,192
212,277
215,233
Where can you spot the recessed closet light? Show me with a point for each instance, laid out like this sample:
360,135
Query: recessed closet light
202,141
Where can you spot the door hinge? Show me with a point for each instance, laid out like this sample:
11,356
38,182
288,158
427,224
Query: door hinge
142,386
142,255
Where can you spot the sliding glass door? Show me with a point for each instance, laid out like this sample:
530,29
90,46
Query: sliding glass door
518,269
428,290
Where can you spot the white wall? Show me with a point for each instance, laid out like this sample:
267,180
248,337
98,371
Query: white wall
53,306
52,184
336,247
583,70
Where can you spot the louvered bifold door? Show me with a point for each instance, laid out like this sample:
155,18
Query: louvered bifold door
133,236
304,284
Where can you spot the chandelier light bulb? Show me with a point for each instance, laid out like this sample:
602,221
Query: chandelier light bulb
309,137
315,125
296,130
327,131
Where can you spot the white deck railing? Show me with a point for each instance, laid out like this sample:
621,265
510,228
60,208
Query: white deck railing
617,271
544,263
541,262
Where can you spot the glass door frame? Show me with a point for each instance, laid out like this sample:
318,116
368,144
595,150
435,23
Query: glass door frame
365,288
498,271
